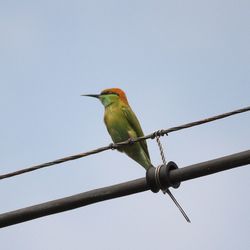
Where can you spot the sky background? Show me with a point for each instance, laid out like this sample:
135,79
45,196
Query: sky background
178,61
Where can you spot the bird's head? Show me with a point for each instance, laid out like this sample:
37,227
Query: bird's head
110,96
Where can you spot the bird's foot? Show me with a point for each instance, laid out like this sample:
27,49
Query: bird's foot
113,146
131,141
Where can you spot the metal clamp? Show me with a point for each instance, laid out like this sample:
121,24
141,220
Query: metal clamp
158,178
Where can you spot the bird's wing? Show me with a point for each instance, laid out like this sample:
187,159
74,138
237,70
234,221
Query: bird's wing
135,125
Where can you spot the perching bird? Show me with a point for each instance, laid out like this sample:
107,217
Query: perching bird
122,124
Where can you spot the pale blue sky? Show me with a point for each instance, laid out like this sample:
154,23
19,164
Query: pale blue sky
178,61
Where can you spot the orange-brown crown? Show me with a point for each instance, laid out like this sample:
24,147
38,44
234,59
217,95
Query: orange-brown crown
116,91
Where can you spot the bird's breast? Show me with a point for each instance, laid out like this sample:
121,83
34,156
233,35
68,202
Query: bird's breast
117,124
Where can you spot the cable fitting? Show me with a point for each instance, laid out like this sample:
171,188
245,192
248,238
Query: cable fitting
158,133
158,178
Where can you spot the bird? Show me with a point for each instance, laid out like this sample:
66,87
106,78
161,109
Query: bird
122,124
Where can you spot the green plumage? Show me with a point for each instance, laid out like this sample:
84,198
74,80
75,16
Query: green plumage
122,124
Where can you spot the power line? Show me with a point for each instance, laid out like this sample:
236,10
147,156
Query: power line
123,189
127,142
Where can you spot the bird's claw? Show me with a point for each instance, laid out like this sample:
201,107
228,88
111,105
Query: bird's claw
131,141
113,146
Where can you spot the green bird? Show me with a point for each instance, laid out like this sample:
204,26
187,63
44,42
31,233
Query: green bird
122,124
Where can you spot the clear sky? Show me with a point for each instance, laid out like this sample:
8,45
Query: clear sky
178,61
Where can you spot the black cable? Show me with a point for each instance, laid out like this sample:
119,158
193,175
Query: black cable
123,189
120,144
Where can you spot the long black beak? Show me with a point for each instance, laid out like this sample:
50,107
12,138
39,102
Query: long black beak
96,96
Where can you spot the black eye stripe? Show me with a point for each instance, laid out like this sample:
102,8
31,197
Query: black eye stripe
110,93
